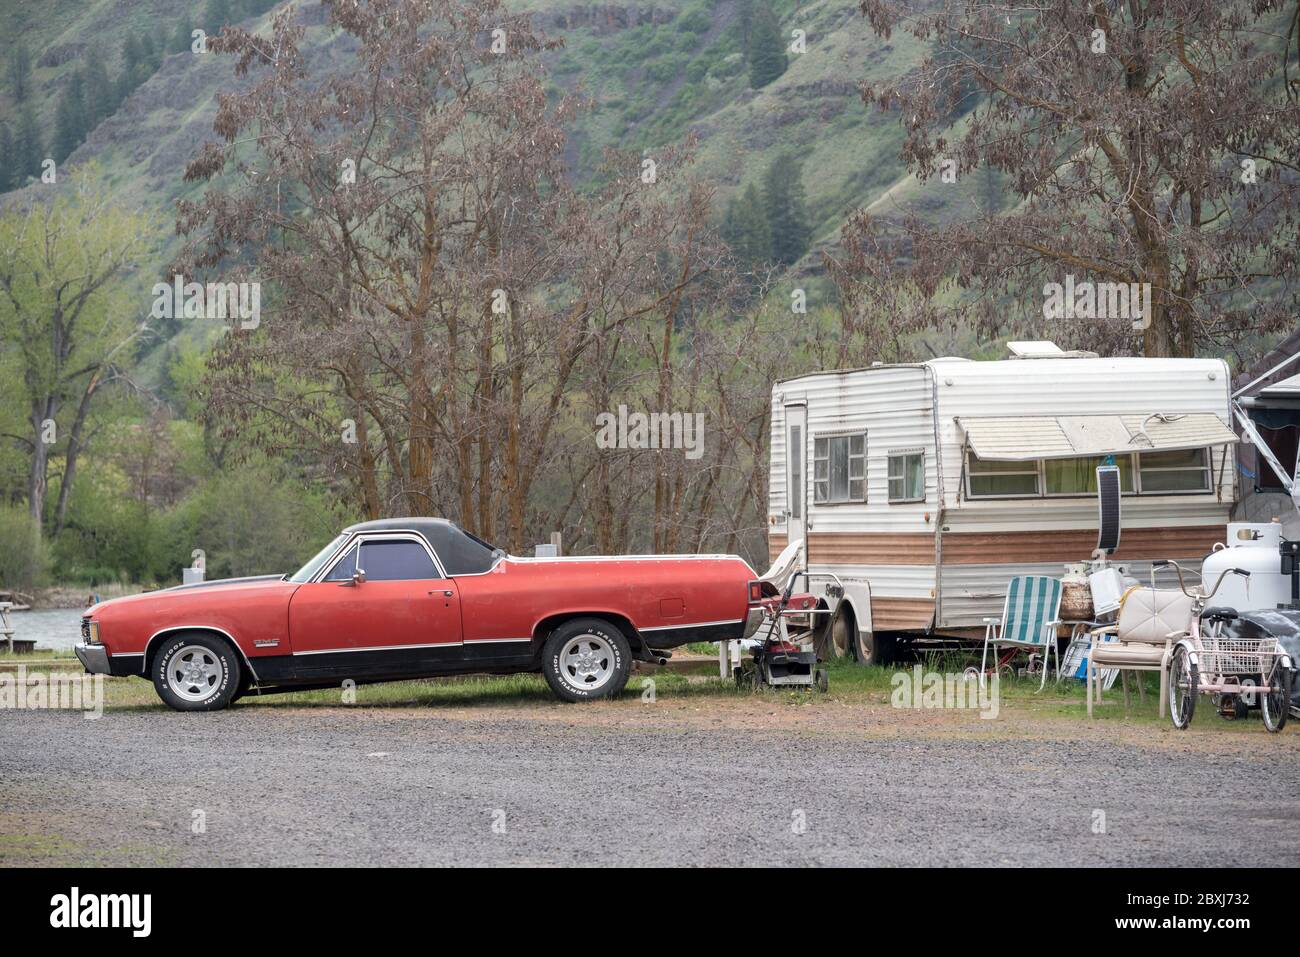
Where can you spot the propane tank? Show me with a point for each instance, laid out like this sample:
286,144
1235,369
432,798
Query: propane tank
1253,546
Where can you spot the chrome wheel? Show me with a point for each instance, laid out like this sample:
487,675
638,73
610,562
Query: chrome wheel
587,662
194,673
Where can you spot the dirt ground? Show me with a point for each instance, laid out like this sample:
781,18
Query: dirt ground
430,775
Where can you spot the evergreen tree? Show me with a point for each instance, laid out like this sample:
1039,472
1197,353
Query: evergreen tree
745,21
70,119
8,159
28,148
132,54
745,229
183,37
99,90
20,72
216,14
134,70
150,58
159,46
767,59
786,209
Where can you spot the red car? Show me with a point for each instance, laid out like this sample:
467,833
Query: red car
416,598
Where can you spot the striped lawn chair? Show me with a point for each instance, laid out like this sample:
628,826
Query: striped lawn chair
1029,620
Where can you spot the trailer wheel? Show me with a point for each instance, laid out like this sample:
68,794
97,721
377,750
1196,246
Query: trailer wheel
586,659
873,648
835,640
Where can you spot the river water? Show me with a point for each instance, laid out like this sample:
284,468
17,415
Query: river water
53,628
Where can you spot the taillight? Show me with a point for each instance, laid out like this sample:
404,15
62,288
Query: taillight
755,592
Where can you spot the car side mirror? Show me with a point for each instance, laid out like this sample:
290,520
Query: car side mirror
358,577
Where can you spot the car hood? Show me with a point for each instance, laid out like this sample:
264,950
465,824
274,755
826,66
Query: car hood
253,581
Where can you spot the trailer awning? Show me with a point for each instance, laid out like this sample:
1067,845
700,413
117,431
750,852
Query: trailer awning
1024,438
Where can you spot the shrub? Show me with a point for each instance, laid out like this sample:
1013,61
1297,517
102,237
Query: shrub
23,560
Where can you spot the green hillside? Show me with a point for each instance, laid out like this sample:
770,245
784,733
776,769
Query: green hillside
653,75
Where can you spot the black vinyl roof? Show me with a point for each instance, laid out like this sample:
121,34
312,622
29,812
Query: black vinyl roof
459,552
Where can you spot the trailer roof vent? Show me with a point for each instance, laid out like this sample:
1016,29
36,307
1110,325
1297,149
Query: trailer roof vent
1044,349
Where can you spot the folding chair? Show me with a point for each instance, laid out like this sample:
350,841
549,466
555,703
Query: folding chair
1029,620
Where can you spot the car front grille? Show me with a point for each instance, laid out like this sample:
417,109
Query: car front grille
85,629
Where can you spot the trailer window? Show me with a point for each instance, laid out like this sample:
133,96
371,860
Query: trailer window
840,468
1079,476
991,479
906,477
1186,470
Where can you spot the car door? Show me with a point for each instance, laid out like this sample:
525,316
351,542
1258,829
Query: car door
402,605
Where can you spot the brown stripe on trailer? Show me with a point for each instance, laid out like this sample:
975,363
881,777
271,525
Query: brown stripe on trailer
862,548
1074,545
901,614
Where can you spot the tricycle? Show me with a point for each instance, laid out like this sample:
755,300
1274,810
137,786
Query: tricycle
1238,671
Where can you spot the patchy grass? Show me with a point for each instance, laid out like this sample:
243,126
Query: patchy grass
867,692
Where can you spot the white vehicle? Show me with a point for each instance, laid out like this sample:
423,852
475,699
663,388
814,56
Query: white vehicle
925,488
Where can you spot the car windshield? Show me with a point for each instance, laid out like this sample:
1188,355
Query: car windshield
307,571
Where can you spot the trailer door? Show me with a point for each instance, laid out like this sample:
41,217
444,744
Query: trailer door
796,477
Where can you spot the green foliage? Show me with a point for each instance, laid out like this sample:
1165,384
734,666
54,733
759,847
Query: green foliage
20,72
216,14
251,522
694,21
767,59
70,122
745,229
8,159
22,553
28,148
786,208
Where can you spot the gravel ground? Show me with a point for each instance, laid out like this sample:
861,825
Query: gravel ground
622,785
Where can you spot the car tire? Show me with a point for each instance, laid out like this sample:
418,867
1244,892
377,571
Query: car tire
196,671
586,659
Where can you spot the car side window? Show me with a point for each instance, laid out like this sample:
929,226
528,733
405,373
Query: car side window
342,571
389,561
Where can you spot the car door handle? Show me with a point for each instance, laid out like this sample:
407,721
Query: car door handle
447,593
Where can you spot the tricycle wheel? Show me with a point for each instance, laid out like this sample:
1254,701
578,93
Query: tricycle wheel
1184,685
1276,703
822,681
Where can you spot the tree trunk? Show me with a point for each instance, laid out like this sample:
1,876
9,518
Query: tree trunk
37,481
420,456
74,449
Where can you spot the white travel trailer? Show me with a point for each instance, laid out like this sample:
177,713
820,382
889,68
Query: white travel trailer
924,488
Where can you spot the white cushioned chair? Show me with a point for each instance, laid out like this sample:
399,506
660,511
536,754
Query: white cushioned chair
1142,639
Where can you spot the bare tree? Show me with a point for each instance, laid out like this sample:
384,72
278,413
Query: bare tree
1148,142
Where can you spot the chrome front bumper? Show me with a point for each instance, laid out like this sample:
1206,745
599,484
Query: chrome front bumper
752,622
93,657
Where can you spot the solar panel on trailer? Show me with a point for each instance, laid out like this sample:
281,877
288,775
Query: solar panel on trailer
1108,493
